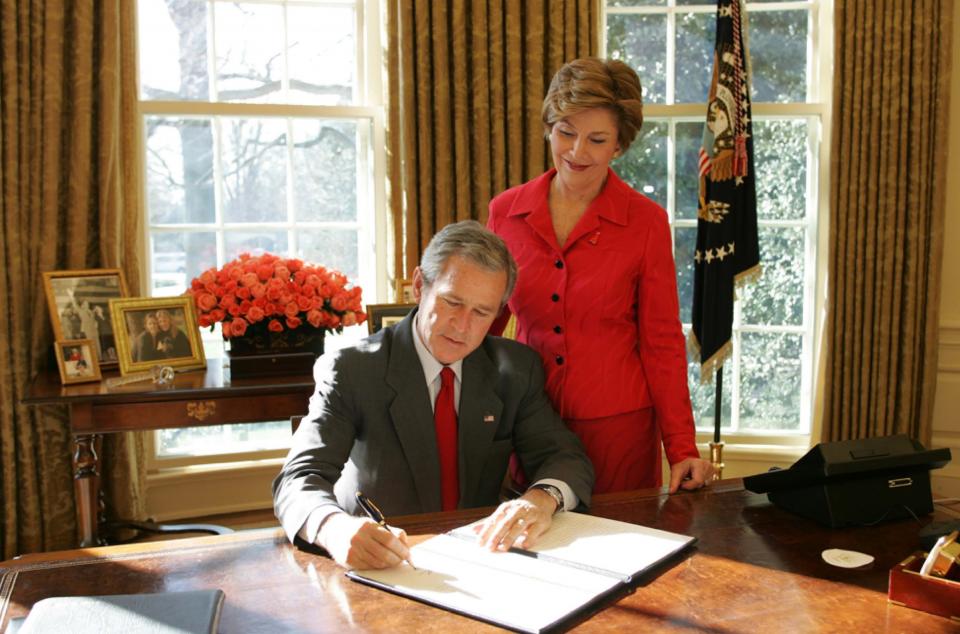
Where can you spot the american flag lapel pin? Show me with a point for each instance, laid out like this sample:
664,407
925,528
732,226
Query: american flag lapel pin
594,238
488,418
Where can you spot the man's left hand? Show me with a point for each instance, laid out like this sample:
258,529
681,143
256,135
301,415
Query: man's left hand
690,474
518,522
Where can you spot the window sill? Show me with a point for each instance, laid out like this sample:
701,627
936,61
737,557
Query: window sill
210,489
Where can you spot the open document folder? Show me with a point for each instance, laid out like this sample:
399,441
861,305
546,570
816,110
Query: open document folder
580,565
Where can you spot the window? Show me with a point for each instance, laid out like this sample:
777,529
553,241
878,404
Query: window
263,124
768,382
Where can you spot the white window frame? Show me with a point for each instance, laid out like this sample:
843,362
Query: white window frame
756,448
371,225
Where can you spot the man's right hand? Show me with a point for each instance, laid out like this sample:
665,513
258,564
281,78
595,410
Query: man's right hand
358,542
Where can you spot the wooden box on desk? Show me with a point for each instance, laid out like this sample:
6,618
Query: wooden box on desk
256,365
929,594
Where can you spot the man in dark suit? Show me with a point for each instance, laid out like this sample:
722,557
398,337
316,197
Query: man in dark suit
371,425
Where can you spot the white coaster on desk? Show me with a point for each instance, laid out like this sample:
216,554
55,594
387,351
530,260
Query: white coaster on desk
846,558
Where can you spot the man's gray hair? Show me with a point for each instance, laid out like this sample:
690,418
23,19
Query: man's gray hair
471,241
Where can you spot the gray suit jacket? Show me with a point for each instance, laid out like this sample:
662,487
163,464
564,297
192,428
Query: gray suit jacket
370,428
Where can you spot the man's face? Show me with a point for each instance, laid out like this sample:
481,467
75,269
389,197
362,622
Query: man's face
458,308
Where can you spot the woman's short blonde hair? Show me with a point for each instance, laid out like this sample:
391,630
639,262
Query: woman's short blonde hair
591,82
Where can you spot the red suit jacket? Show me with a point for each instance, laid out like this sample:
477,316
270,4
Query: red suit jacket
602,310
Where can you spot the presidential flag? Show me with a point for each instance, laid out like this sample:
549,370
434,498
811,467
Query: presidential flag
727,253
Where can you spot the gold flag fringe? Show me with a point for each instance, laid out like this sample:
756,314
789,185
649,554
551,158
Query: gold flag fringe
709,367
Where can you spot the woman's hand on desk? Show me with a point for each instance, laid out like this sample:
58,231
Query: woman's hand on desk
690,474
518,522
359,542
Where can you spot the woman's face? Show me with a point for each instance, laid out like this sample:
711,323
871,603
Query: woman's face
151,325
164,320
583,144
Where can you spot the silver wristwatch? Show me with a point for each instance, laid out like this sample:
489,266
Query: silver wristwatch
553,492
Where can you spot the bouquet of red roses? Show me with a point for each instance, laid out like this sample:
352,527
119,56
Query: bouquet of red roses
267,293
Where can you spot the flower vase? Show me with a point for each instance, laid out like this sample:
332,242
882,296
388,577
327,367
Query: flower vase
275,353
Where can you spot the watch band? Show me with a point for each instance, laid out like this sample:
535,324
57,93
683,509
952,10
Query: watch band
553,492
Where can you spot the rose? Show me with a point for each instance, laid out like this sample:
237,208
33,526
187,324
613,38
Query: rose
206,302
238,327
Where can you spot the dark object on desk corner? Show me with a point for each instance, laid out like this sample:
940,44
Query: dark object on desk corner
855,482
193,611
932,532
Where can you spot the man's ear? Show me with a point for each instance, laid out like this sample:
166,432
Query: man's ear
417,284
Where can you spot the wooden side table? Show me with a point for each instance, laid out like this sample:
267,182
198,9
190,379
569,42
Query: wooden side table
200,398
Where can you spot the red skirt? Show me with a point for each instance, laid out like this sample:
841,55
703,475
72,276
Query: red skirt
624,450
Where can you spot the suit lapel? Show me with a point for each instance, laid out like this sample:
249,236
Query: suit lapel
478,419
412,415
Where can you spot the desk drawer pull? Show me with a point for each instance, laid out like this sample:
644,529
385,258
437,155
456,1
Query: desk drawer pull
201,410
899,482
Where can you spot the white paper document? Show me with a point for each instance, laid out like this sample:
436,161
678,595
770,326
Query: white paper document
579,564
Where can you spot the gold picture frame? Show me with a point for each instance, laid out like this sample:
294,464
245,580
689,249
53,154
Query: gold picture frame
79,306
157,331
77,361
404,291
383,315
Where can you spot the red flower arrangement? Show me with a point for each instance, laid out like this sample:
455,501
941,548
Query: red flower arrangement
266,293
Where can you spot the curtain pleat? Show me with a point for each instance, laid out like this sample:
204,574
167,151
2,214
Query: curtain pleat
70,187
888,165
466,81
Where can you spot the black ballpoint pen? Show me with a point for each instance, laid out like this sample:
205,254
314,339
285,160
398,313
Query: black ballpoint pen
376,515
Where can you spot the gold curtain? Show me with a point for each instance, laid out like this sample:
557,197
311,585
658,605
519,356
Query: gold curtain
887,170
70,176
466,82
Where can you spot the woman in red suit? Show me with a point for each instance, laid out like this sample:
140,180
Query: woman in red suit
597,295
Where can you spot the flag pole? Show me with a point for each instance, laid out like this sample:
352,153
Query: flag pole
716,447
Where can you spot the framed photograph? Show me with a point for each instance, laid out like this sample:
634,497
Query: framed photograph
157,331
79,303
77,360
383,315
404,291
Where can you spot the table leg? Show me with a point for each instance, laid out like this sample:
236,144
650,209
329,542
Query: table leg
86,484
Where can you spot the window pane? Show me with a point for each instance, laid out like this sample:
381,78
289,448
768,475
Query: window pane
217,439
325,170
166,71
770,371
778,55
641,42
780,157
321,42
696,35
635,3
689,139
254,170
254,242
644,166
179,170
685,243
331,248
177,257
249,41
777,297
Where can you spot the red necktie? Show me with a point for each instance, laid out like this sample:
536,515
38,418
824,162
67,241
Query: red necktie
445,422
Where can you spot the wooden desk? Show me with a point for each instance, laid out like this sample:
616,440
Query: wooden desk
203,397
755,569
